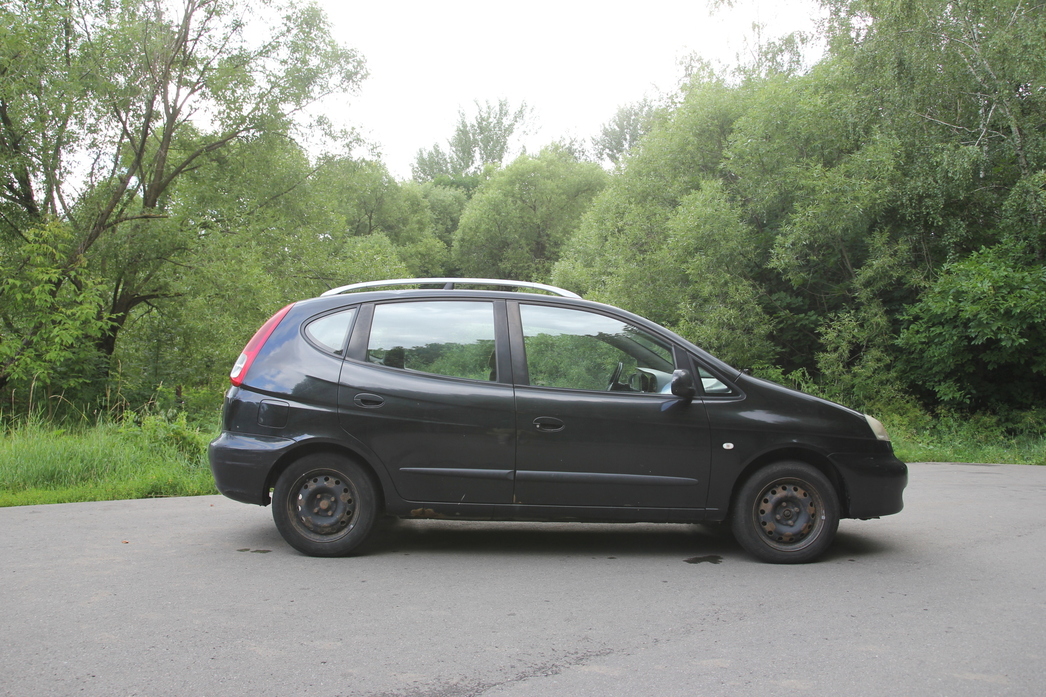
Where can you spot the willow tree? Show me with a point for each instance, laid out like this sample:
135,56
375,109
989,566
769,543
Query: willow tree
832,220
104,108
964,84
516,224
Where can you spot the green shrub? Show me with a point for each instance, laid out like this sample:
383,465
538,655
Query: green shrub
977,338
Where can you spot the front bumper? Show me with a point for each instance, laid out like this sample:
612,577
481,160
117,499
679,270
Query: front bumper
873,483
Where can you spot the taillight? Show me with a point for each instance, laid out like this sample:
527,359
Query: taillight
250,351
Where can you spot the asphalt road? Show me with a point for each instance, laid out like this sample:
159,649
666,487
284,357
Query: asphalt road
200,596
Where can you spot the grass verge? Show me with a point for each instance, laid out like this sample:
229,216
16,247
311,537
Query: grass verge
967,438
156,456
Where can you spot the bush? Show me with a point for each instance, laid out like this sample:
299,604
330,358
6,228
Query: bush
977,338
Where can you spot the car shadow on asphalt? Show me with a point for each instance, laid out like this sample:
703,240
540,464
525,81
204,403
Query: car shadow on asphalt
551,539
260,538
686,542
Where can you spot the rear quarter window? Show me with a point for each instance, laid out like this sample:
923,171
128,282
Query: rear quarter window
330,332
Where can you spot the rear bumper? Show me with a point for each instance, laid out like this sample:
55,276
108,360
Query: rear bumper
241,464
873,483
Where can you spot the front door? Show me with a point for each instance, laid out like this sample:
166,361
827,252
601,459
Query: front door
597,425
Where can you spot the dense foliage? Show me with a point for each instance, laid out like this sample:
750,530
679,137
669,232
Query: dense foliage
872,227
518,220
875,222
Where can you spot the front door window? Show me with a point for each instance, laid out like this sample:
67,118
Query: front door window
581,350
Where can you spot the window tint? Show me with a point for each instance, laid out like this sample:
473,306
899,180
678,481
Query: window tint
453,338
331,331
588,351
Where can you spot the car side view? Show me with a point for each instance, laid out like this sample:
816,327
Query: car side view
488,399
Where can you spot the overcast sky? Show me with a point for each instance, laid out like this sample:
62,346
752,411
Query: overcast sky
573,61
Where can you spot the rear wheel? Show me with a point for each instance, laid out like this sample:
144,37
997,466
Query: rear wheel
324,505
786,513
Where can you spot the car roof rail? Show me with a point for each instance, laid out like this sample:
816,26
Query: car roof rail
450,283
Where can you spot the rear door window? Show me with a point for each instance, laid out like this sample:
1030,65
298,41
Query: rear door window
452,338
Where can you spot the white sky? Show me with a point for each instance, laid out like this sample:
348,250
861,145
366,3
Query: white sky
574,62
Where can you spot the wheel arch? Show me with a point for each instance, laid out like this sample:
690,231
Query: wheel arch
799,454
314,447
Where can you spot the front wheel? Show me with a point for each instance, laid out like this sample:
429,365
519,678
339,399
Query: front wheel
786,513
324,505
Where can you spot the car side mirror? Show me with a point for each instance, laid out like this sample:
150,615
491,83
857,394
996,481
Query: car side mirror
682,384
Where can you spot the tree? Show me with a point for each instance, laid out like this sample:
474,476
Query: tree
105,107
622,133
483,140
366,200
518,221
822,214
446,204
620,253
50,307
956,87
964,77
272,228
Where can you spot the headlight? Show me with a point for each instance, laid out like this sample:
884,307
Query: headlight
877,428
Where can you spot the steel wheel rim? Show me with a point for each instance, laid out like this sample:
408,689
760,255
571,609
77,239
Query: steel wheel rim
324,505
789,514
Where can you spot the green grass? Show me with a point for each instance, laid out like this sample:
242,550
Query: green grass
155,457
967,438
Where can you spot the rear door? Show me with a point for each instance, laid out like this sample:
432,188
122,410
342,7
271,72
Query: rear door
429,395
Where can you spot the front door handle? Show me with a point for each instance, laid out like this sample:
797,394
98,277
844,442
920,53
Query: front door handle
549,424
368,401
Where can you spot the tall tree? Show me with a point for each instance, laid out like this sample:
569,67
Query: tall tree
272,226
962,86
105,106
367,200
843,204
623,132
516,224
482,140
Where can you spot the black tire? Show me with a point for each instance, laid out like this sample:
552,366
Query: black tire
786,513
325,505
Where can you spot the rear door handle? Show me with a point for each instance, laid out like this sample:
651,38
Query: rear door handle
549,424
368,401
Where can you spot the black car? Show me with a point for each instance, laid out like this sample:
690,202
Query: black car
378,399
